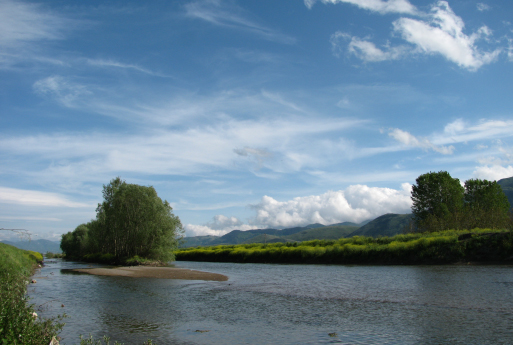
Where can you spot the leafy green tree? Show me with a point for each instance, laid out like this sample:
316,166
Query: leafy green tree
437,201
486,205
131,221
74,244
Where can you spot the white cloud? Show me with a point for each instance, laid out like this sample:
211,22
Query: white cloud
364,50
357,203
220,225
354,204
461,132
63,90
380,6
443,35
410,140
36,198
482,7
22,23
493,172
117,64
219,13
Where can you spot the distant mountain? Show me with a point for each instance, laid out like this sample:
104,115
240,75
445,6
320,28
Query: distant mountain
305,233
389,224
332,232
507,186
40,246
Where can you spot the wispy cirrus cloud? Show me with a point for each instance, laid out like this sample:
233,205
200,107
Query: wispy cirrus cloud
231,16
408,139
380,6
21,23
120,65
36,198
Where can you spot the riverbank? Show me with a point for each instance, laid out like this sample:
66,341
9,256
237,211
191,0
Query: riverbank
153,272
444,247
19,322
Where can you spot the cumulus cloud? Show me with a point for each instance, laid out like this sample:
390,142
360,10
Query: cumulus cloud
380,6
438,32
408,139
493,172
443,34
219,226
36,198
357,203
354,204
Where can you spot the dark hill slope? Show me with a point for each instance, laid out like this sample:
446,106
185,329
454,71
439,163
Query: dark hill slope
389,224
507,186
325,233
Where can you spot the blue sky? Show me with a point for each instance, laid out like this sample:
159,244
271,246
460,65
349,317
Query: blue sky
248,114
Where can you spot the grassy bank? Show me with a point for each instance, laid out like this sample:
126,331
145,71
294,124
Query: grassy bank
451,246
19,323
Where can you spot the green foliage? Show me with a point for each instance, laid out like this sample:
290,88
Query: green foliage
412,248
486,205
18,323
131,221
440,203
436,198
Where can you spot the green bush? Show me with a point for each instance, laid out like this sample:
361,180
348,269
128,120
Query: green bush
414,248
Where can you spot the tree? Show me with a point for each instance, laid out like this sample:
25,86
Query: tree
74,243
486,205
131,221
437,201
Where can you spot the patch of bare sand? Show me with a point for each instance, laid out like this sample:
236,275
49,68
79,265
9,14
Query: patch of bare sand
153,272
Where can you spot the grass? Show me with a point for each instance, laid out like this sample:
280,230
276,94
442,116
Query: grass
19,323
451,246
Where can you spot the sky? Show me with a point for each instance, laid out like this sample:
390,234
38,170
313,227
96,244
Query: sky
248,114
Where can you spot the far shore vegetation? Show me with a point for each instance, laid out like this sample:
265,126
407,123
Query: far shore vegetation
443,212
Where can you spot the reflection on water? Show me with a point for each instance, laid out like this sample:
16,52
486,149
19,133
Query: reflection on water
286,304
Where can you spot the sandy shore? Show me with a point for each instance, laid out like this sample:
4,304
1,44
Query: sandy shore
153,272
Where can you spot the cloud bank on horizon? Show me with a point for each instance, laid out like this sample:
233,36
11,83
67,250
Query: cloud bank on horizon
246,116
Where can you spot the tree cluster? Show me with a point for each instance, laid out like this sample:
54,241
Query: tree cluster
440,202
132,221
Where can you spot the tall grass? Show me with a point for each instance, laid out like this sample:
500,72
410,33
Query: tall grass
19,323
416,248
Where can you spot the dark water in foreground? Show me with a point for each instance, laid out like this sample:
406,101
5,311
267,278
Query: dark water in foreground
286,304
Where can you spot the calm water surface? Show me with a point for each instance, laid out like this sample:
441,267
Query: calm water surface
286,304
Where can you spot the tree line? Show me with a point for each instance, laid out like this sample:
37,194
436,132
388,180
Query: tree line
132,221
440,202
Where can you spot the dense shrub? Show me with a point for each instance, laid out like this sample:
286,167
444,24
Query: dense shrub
413,248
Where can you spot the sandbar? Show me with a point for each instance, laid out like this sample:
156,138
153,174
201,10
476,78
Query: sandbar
153,272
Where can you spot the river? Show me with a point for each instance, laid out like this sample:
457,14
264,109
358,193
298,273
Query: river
285,304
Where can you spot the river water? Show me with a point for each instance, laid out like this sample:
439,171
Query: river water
285,304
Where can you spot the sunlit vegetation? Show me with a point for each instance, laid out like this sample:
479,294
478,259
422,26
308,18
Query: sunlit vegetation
19,322
450,246
132,224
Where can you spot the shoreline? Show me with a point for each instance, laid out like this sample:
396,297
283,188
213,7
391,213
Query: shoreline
152,272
